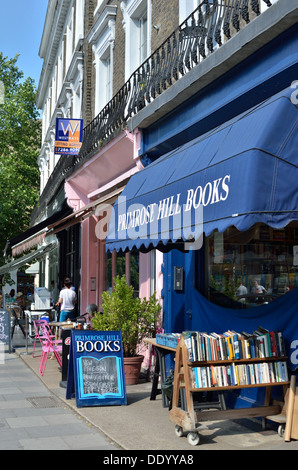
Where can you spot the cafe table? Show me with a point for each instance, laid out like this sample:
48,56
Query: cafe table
60,324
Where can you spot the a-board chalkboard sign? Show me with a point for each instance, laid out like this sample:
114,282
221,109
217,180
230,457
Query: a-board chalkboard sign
5,336
95,368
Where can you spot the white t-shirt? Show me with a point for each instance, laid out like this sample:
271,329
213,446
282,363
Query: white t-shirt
69,298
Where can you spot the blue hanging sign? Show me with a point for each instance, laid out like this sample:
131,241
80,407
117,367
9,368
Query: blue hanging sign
95,368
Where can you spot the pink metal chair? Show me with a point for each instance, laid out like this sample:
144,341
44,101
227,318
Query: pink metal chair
38,324
49,345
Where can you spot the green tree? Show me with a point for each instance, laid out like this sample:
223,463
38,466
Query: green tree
20,141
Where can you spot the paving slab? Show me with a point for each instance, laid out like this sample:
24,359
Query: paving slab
32,417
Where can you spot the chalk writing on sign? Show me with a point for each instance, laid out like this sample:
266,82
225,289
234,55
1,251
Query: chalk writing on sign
99,376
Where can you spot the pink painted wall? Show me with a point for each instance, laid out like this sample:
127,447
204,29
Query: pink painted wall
145,291
101,174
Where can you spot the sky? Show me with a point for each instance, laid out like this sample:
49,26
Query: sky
21,28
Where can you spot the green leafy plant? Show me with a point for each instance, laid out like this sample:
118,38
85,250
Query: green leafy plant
135,317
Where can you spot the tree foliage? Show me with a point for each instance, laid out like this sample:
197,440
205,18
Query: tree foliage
20,141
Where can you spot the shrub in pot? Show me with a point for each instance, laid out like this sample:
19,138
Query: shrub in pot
135,317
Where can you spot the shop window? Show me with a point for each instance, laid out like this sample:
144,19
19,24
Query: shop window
152,271
104,80
248,269
134,271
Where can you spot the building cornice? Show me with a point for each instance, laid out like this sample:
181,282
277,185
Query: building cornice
50,43
101,23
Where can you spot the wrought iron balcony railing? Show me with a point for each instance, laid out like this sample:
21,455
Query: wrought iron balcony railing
207,28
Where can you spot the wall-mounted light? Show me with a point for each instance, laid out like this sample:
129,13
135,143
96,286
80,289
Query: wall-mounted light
156,27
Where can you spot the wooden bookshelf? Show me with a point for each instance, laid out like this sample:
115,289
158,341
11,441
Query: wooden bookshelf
236,361
188,418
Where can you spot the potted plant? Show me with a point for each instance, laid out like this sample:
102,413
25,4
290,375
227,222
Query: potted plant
135,317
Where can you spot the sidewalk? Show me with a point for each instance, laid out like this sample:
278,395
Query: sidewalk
32,418
144,424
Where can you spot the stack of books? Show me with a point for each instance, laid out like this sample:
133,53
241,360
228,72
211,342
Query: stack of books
231,345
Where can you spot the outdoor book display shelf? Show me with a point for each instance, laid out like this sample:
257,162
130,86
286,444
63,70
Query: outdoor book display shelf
220,375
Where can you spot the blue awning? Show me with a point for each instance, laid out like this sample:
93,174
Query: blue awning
242,173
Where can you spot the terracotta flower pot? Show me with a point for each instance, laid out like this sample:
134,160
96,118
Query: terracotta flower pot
132,368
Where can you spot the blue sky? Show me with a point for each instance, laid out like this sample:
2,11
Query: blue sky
21,27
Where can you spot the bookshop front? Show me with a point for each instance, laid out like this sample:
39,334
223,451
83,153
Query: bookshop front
223,210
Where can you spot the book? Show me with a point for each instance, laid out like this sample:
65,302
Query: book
213,376
273,343
194,346
232,345
188,344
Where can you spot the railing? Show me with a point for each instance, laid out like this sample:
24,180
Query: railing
206,29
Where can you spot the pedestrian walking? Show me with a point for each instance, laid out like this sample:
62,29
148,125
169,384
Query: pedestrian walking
67,300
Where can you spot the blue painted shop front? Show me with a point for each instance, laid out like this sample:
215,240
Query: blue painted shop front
244,174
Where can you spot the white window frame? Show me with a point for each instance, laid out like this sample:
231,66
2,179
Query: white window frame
79,21
133,12
102,38
103,63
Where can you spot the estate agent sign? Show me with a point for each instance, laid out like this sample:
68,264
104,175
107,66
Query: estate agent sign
95,368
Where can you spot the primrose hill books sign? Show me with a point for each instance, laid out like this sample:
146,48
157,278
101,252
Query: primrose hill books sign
95,368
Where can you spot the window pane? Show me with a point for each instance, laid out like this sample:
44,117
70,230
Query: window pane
247,269
109,271
120,267
120,264
143,38
134,271
108,79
